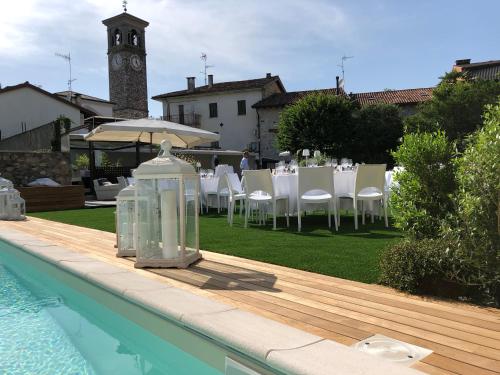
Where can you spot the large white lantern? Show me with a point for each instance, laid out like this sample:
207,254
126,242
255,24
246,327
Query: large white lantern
167,190
125,222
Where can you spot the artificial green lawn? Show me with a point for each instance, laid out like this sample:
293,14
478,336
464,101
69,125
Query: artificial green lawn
347,253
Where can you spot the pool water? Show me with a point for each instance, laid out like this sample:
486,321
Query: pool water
49,327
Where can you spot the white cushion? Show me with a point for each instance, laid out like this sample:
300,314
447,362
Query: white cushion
316,197
44,182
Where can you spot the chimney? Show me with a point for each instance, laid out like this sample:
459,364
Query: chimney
268,75
190,83
462,62
210,80
337,79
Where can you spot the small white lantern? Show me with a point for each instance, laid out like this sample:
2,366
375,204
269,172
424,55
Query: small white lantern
12,206
125,222
167,227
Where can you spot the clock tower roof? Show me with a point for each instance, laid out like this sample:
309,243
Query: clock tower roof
125,18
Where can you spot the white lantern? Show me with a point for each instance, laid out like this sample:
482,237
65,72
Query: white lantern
166,193
125,222
12,206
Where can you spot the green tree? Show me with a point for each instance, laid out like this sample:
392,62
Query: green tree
318,122
378,131
477,226
424,196
456,106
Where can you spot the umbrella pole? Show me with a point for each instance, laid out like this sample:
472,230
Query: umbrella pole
137,153
151,143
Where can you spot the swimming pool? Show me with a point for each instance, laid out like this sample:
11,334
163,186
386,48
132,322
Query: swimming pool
54,323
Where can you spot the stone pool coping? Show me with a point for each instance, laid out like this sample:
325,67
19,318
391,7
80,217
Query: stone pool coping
277,345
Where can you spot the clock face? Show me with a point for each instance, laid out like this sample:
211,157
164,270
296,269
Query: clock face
117,61
135,62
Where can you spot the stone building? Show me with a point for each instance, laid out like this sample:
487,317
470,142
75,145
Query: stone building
127,65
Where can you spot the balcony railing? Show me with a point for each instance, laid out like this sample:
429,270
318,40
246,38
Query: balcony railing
190,119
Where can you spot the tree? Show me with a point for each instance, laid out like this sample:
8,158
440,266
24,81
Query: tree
424,196
456,107
318,122
378,131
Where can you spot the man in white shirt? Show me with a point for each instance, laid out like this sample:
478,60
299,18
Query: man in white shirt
244,162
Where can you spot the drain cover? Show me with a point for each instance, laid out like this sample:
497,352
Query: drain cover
392,350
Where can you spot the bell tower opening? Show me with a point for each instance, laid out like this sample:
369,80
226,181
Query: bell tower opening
127,65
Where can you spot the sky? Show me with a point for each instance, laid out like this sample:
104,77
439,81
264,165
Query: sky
395,44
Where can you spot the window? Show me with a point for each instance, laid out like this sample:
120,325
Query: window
242,107
213,109
181,114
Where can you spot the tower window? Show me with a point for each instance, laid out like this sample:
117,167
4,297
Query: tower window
133,38
117,38
212,107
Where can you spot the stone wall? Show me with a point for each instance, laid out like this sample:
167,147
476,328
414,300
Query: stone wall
38,139
22,167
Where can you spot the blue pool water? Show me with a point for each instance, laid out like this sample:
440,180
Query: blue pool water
47,326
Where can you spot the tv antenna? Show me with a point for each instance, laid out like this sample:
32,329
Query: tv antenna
70,80
205,65
344,58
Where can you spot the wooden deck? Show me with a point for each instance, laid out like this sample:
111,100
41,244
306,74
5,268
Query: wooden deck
465,339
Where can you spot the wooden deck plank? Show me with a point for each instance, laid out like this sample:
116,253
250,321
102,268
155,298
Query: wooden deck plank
465,339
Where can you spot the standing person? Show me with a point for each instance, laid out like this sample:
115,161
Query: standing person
244,161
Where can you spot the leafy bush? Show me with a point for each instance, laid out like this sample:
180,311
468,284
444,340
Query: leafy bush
82,161
424,196
317,122
413,266
456,106
378,131
476,224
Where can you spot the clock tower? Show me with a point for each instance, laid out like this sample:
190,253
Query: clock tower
127,65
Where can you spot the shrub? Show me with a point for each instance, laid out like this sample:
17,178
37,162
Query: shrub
378,131
476,225
414,266
424,196
82,161
456,106
317,122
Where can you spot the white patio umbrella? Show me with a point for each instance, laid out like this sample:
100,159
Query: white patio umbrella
151,131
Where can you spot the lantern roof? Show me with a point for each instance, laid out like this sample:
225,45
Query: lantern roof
128,192
164,164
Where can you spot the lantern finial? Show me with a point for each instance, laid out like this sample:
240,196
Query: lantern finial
165,146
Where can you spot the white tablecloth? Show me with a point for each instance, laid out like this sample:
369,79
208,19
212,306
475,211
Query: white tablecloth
287,185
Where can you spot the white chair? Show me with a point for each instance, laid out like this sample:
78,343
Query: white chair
235,194
122,181
315,185
107,191
369,186
259,189
221,191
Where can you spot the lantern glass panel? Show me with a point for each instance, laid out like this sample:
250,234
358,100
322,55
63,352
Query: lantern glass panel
191,197
125,222
158,218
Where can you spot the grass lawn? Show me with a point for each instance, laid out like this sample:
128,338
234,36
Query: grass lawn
347,254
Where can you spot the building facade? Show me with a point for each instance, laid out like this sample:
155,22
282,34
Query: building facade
225,108
25,107
127,65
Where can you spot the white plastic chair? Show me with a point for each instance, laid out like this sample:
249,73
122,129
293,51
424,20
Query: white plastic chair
221,191
259,189
369,185
318,182
235,194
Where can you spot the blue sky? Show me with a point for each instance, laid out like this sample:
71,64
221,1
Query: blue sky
395,44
